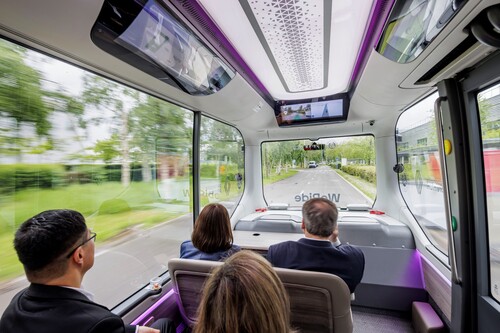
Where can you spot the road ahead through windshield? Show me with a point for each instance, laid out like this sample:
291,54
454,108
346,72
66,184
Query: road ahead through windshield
322,181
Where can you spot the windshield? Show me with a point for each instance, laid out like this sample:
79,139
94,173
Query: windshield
339,169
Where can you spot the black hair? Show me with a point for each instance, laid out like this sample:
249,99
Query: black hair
46,237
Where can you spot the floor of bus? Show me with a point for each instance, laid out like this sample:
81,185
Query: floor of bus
367,320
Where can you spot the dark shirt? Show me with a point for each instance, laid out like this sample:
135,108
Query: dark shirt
53,309
189,251
345,261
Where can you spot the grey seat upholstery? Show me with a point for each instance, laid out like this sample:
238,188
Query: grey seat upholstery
189,277
319,302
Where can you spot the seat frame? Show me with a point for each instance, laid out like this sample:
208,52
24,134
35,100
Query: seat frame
319,302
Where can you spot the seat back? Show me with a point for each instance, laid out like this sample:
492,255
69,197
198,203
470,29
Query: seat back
319,302
189,276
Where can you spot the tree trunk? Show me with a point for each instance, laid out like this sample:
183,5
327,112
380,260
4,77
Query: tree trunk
125,150
19,155
146,169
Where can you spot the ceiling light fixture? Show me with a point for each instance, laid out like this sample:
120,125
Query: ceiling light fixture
296,38
297,48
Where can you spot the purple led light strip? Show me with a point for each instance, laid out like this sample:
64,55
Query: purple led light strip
438,272
139,320
379,15
225,47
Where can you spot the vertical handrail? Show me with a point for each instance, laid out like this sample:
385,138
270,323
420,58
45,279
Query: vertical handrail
444,176
196,164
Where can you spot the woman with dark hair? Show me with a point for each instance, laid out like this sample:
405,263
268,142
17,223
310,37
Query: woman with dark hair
244,295
212,237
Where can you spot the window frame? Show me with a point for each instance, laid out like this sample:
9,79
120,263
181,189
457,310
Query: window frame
432,249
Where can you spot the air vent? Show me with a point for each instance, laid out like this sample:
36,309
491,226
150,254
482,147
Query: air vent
202,21
483,34
447,60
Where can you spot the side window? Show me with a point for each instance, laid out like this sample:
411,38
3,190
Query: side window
71,139
222,164
420,182
489,113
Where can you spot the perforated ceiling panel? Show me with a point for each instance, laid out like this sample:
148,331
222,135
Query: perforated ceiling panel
295,35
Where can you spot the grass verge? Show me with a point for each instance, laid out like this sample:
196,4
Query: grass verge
367,188
277,177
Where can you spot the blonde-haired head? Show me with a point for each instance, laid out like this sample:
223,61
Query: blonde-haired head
244,295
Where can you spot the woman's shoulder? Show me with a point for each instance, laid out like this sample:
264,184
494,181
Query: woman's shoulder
186,244
188,251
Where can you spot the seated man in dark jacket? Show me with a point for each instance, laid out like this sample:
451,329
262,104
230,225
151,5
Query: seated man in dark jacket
56,249
316,252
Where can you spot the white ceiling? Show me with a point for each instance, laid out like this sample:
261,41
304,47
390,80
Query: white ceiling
298,49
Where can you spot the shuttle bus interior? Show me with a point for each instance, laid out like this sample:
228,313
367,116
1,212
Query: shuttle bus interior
138,113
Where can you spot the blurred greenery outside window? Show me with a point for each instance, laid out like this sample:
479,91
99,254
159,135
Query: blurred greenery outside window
71,139
488,102
420,182
222,164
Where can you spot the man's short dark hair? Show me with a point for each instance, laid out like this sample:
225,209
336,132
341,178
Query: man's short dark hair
320,216
44,240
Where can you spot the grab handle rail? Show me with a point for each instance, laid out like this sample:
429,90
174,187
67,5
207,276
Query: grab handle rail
444,176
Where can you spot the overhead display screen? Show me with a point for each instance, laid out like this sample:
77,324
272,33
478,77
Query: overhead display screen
312,111
146,35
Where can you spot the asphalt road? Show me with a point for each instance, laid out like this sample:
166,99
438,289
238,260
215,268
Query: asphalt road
315,182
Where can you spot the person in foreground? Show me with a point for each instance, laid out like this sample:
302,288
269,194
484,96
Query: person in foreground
244,295
56,249
212,237
317,252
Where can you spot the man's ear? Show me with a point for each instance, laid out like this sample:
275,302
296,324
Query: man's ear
303,226
77,257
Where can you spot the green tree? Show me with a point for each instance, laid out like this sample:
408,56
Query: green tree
360,149
21,95
153,119
24,100
299,154
108,149
282,153
120,100
221,141
489,127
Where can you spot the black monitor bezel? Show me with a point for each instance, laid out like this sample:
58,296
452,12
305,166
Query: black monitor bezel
108,28
312,121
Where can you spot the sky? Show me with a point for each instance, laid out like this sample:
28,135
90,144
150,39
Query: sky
65,130
418,114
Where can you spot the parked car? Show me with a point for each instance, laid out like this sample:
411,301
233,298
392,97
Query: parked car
312,164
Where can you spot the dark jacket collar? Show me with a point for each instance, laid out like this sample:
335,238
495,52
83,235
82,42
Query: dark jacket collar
51,292
314,242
